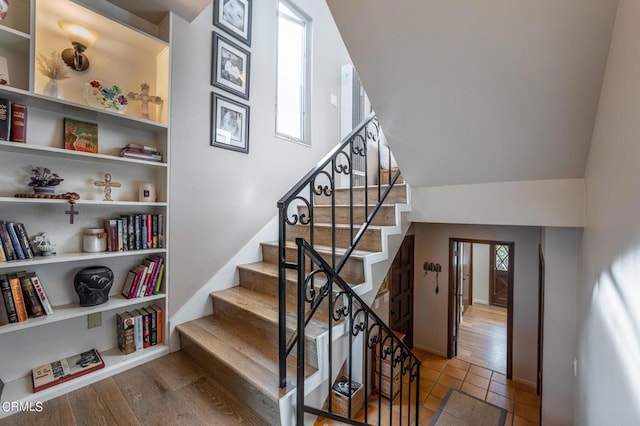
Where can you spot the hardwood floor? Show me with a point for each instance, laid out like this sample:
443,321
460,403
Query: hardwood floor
172,390
483,337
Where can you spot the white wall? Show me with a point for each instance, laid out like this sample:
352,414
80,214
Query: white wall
221,198
432,244
561,248
480,274
555,202
609,289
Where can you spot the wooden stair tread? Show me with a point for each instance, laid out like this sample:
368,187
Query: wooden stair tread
356,254
271,270
266,308
261,373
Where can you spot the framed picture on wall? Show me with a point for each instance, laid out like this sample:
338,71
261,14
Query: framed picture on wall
229,124
234,16
230,67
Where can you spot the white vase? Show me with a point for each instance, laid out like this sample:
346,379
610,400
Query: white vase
53,89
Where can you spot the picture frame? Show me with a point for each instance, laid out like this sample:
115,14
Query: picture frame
231,67
234,17
4,71
229,124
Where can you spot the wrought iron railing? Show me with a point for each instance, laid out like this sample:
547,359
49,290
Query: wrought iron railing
384,352
333,174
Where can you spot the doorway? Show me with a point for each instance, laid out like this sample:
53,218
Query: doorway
401,289
480,307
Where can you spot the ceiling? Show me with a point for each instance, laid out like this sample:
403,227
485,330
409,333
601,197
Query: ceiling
481,91
155,10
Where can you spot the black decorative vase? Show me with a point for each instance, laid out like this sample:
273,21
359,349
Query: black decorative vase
93,284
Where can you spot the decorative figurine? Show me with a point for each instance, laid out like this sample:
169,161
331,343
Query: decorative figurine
43,245
107,186
145,98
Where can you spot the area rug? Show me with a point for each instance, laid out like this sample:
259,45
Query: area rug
461,409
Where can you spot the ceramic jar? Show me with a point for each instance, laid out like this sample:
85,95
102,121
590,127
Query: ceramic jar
94,240
92,285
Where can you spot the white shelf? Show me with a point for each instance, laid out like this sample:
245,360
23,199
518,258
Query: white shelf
15,200
115,362
74,310
75,257
52,152
13,39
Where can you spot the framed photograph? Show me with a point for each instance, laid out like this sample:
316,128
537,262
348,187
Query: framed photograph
229,124
231,67
234,16
80,135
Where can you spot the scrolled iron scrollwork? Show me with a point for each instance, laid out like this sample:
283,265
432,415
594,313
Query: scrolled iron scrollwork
361,325
359,148
344,310
326,190
339,167
304,218
310,288
375,339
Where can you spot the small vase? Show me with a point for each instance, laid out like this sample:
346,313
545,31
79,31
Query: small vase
44,190
52,88
92,285
4,9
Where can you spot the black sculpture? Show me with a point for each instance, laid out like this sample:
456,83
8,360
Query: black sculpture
93,284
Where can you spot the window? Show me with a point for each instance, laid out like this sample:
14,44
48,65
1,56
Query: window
502,258
293,87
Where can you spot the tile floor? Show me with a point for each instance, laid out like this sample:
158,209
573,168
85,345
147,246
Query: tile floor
438,374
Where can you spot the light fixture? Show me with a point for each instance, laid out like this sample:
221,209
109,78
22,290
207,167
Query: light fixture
81,38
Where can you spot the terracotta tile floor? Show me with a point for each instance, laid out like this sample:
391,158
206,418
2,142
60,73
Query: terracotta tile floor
438,374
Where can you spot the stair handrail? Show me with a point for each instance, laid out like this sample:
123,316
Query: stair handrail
341,162
388,344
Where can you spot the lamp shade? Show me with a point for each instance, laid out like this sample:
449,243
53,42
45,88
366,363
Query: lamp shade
76,33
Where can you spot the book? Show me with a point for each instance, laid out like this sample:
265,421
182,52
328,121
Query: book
137,322
6,241
111,227
5,119
143,231
150,264
125,232
18,130
4,315
153,326
29,295
137,230
120,235
146,327
18,300
159,323
5,288
63,370
154,277
149,230
23,238
140,282
128,282
160,230
3,257
158,286
154,231
80,136
131,233
14,241
126,333
42,295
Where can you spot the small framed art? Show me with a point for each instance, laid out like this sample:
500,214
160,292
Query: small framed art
231,67
229,124
234,16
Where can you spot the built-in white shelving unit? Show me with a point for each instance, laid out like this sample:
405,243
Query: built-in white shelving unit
123,55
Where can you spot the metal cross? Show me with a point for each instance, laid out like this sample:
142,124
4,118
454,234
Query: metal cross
145,98
107,186
71,212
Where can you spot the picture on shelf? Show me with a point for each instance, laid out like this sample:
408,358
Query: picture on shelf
230,124
4,71
80,136
234,16
231,67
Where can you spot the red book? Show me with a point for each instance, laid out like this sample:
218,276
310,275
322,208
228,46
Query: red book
18,123
66,369
149,231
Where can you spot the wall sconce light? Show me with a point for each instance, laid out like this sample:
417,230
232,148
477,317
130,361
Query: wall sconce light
81,38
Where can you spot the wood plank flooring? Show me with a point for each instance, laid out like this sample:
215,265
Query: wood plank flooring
172,390
483,337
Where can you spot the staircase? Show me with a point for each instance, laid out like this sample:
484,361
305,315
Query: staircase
239,343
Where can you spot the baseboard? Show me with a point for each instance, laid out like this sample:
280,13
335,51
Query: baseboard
430,350
480,302
525,382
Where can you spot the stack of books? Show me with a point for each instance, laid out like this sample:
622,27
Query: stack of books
22,296
135,232
14,242
141,152
139,329
144,279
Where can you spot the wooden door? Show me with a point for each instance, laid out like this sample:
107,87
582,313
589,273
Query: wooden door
466,275
401,288
499,275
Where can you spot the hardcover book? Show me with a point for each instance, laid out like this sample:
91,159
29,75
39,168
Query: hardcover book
18,300
66,369
126,333
4,316
6,241
159,322
42,295
31,299
80,136
23,238
5,288
5,119
18,130
14,240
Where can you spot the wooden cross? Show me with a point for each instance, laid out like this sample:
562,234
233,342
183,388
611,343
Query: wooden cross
107,186
71,212
145,98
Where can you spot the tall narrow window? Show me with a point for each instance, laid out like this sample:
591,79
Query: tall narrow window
292,97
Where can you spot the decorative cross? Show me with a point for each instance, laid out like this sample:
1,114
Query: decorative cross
107,186
71,212
145,98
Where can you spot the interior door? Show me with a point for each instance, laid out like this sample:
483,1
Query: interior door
401,288
499,271
465,273
455,279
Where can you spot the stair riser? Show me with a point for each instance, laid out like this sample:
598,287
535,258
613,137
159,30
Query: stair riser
370,241
352,272
386,215
398,194
267,329
261,404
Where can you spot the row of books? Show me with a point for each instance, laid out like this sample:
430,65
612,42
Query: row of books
135,232
140,152
13,121
15,242
139,328
22,296
144,279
